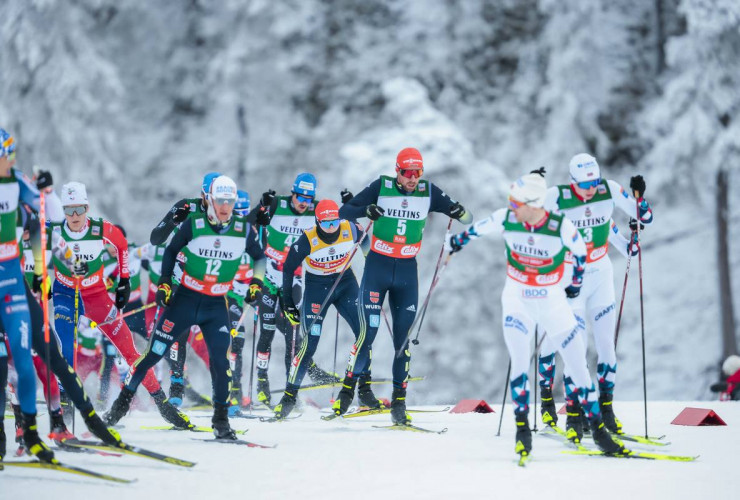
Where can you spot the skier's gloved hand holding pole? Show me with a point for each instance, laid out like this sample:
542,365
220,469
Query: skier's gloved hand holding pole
164,292
291,313
263,216
255,287
579,269
346,195
374,212
123,291
44,179
457,211
179,214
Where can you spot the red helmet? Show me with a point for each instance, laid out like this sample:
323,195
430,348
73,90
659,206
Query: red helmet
409,158
327,210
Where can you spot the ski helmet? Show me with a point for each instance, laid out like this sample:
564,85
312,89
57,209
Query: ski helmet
223,188
409,158
530,189
583,168
7,143
207,180
242,202
305,185
327,210
74,193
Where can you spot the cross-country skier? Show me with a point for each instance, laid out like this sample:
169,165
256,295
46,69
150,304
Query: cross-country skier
533,297
212,244
325,250
399,206
288,216
589,202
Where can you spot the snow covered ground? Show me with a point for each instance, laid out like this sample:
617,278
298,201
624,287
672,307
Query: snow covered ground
317,459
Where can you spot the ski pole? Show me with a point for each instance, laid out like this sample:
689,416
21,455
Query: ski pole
251,370
336,282
534,376
45,300
503,402
429,297
124,315
642,313
336,343
74,352
624,290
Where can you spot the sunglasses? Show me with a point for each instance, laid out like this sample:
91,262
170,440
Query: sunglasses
514,204
589,184
329,224
224,201
411,172
79,210
303,199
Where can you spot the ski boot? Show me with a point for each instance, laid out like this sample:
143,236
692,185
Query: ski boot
547,408
611,421
177,387
365,395
96,425
263,390
59,431
523,435
67,407
3,440
119,408
220,422
286,405
34,444
19,430
573,422
604,440
169,412
320,376
398,407
345,396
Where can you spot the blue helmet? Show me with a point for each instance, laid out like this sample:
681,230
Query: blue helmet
242,202
207,180
7,143
305,184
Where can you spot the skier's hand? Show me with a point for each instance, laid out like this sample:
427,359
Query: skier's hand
374,212
292,314
164,293
44,179
346,195
456,210
123,291
573,290
452,243
179,214
80,268
267,198
633,225
637,185
255,287
39,285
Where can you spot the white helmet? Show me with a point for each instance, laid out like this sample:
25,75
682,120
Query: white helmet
583,168
530,189
223,188
74,193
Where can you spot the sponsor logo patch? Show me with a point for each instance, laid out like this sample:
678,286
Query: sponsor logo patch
315,308
512,322
316,330
374,297
167,326
375,320
158,347
199,224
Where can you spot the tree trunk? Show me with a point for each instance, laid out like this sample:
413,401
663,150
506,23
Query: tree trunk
729,344
660,36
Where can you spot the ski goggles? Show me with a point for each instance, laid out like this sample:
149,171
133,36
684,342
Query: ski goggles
303,199
329,224
224,201
75,210
514,204
589,184
410,173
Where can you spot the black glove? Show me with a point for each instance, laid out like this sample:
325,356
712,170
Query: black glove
179,214
44,179
164,292
456,210
573,290
255,287
637,184
374,212
455,245
292,314
263,217
123,291
267,198
80,268
346,195
37,284
633,225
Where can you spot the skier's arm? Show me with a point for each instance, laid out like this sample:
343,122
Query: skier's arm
254,249
442,203
169,259
171,220
357,234
573,241
625,202
493,224
297,253
618,241
114,236
355,208
551,200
